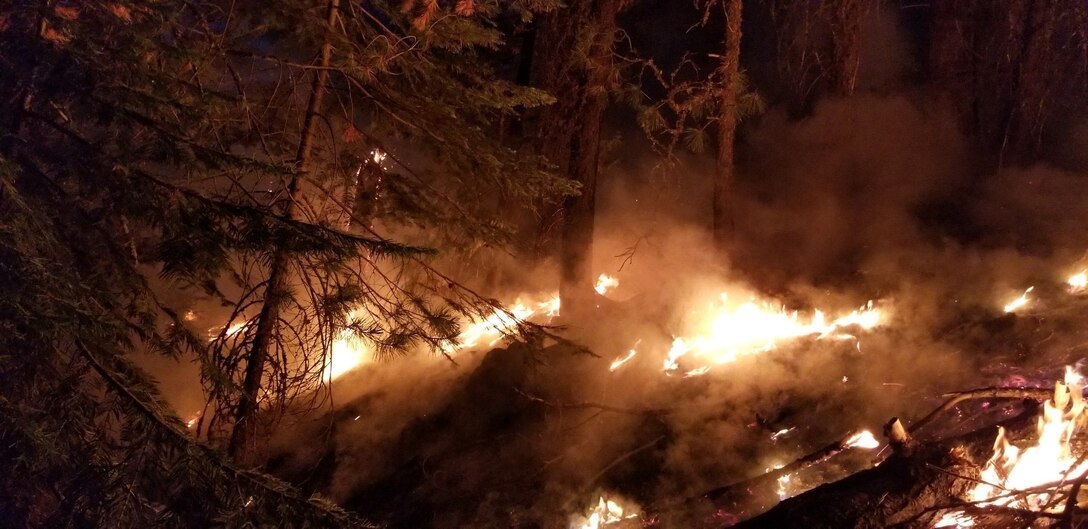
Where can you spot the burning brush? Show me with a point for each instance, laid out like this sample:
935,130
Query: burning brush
1043,478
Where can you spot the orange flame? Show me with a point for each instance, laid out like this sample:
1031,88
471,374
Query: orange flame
605,283
752,327
1019,302
1049,460
604,513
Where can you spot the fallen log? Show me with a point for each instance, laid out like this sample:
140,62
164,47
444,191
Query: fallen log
912,487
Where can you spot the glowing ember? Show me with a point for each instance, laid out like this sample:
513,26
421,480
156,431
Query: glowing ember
1077,282
863,439
618,363
735,331
378,156
605,283
606,512
1049,460
192,421
1019,302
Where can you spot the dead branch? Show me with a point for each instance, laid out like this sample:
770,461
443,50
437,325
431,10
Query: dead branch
1039,394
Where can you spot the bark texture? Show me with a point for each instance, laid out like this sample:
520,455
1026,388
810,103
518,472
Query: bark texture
728,71
572,59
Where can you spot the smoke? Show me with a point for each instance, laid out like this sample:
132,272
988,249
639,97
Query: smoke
875,197
878,196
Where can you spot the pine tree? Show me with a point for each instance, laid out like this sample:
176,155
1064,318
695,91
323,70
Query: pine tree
572,59
728,116
143,149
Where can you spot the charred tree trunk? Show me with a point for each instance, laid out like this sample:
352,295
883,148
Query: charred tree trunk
245,419
728,70
569,130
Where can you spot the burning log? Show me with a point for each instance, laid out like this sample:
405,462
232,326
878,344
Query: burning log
909,489
806,461
939,484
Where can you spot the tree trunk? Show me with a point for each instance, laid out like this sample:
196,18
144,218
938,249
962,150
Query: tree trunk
1023,136
727,125
570,130
953,69
245,421
846,45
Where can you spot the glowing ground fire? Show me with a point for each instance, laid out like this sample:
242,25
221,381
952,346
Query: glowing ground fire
605,512
731,331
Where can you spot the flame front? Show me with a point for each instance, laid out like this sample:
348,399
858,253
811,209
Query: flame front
752,327
1049,460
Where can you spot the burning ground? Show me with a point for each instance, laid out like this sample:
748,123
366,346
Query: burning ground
690,384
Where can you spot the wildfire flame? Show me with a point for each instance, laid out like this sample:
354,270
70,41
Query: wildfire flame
1019,302
228,332
863,439
618,362
605,283
604,513
501,323
1049,460
753,327
1078,281
348,352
